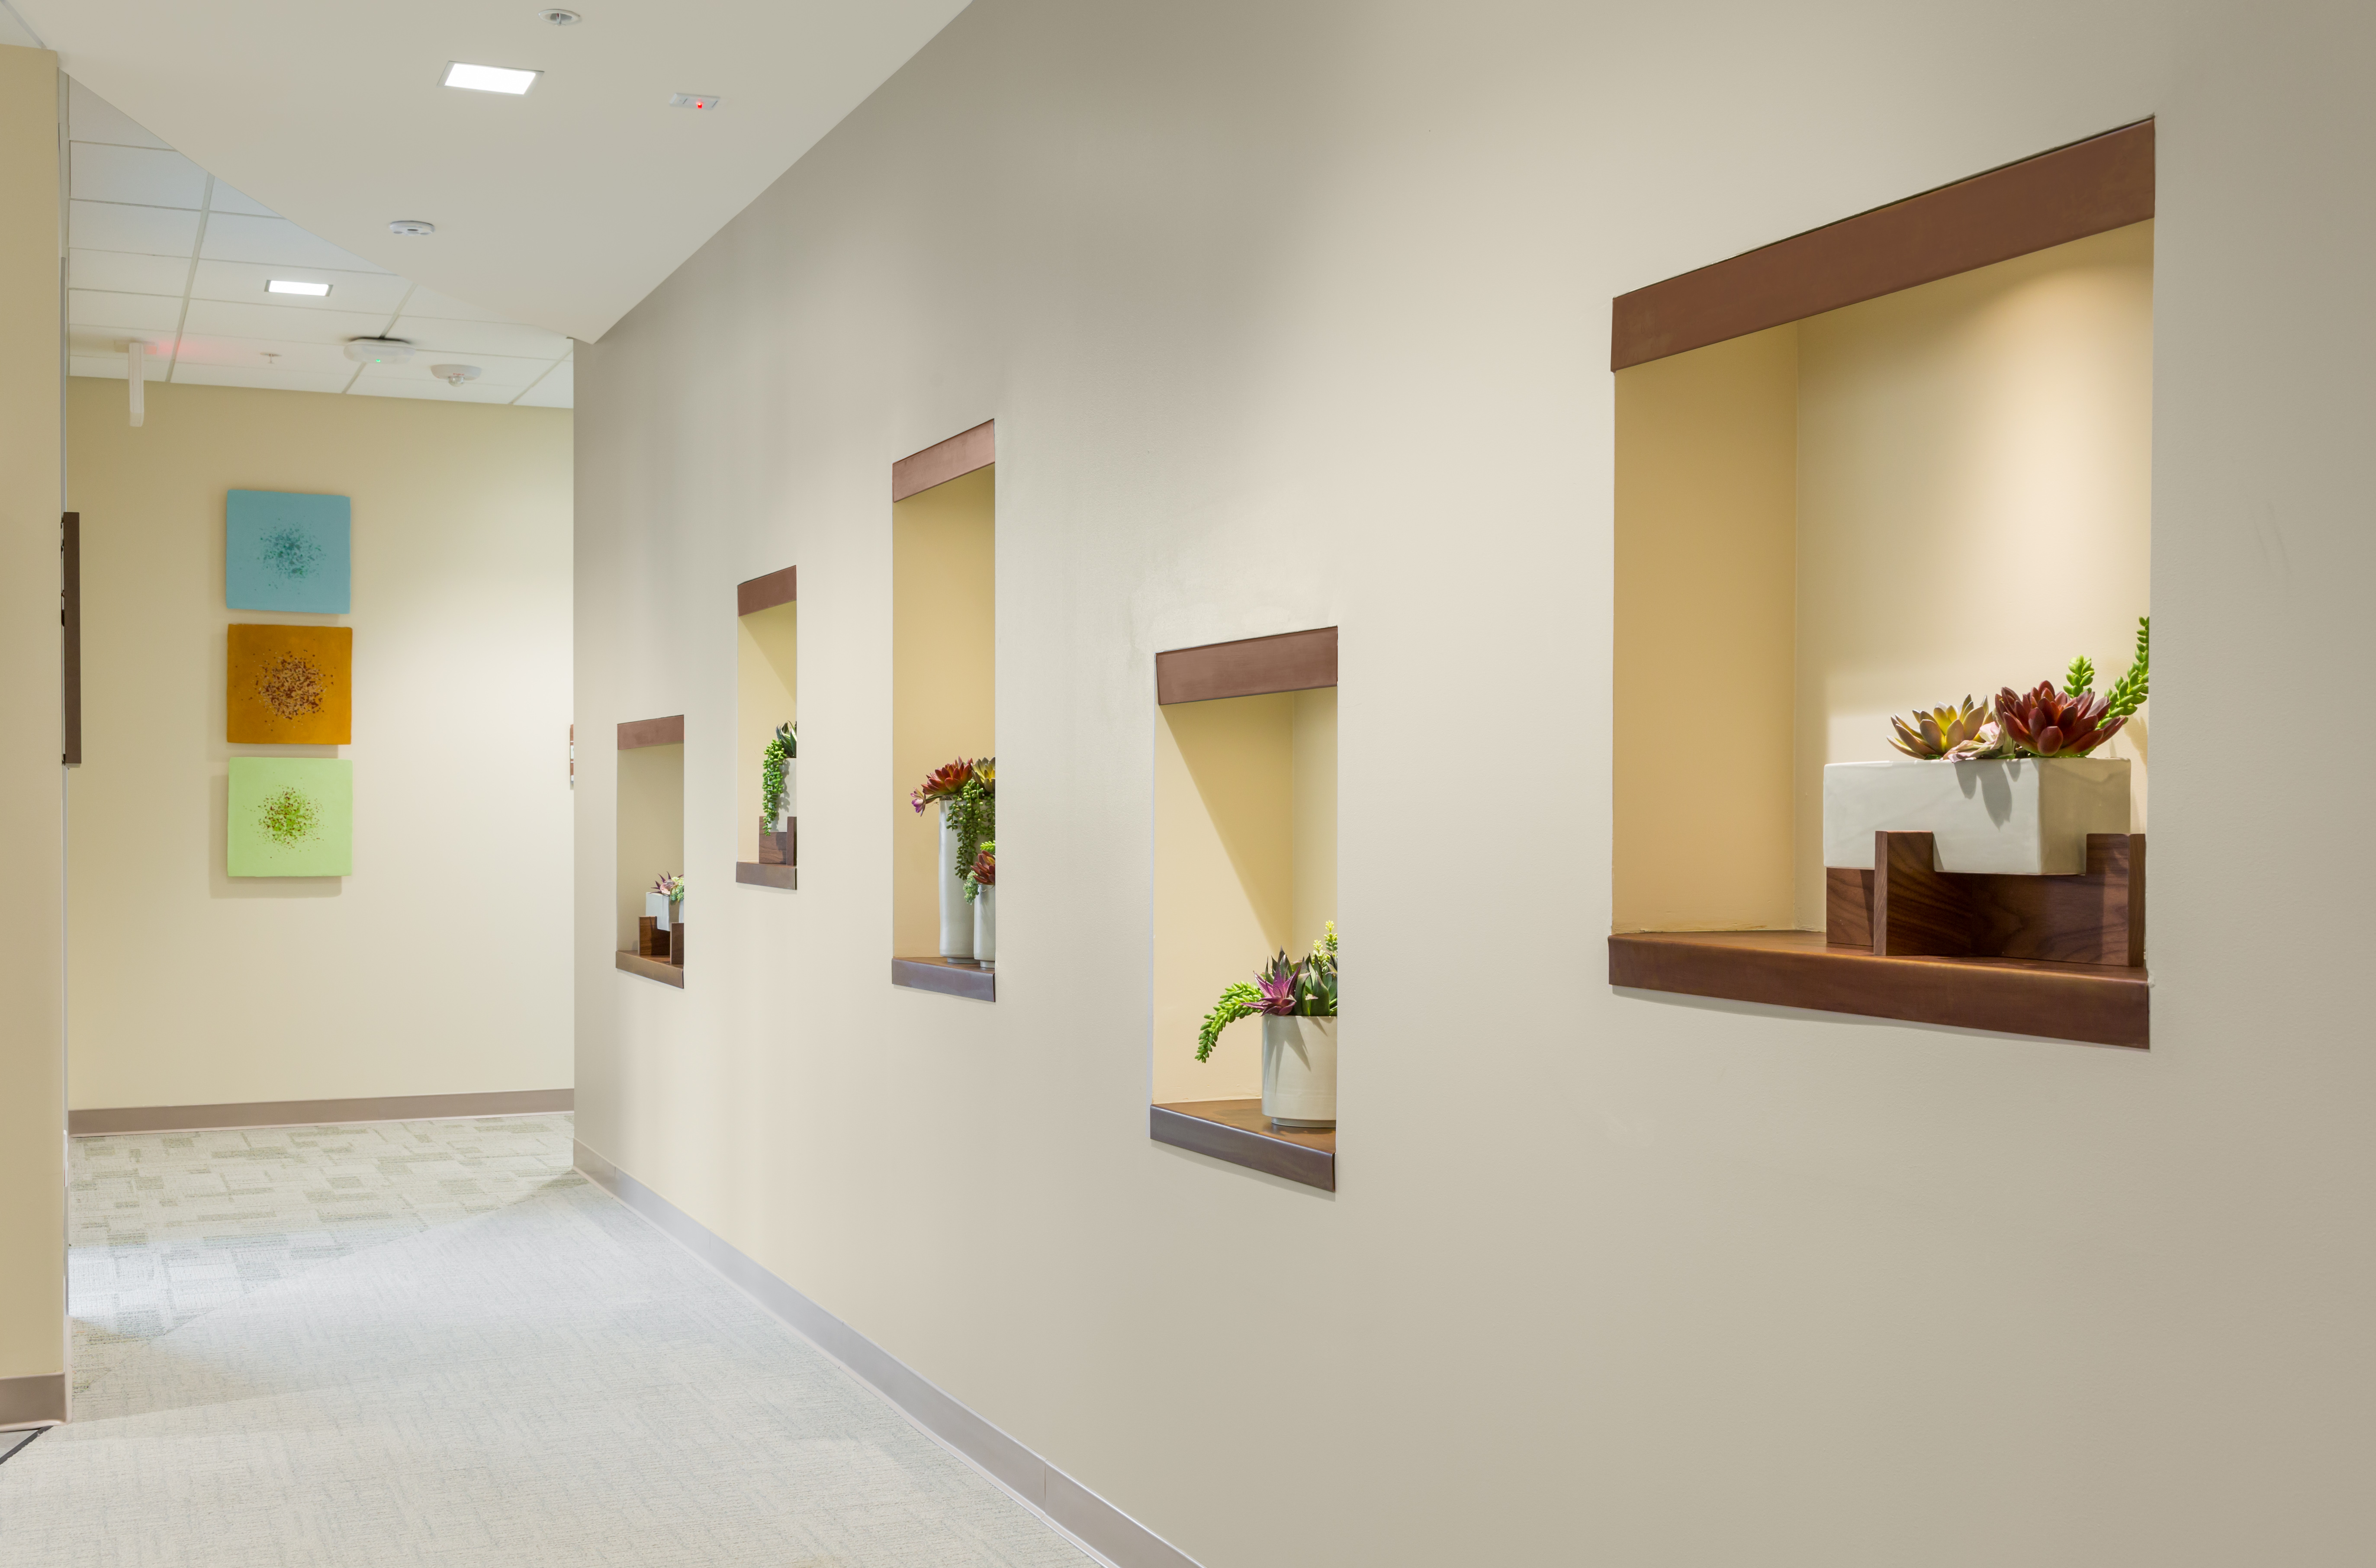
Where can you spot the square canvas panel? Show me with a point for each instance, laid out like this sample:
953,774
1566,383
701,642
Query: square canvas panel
283,551
292,816
289,685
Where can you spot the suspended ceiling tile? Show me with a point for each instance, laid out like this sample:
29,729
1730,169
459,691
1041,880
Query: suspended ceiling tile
481,336
495,370
232,236
91,118
288,356
124,272
229,200
135,313
146,175
242,282
189,374
555,391
214,318
432,390
154,230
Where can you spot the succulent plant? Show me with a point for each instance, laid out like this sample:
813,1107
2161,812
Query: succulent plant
943,783
985,866
2128,693
1276,985
2047,723
1939,731
1286,987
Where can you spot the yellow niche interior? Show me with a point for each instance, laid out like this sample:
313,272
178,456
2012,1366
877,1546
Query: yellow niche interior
651,831
944,676
1893,505
767,694
1245,866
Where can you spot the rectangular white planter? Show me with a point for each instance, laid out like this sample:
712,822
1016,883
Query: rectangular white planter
2029,817
657,906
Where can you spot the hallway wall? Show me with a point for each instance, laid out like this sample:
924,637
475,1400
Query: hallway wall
440,967
1297,315
33,1083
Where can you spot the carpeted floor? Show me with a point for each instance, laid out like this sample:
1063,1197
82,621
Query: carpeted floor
499,1366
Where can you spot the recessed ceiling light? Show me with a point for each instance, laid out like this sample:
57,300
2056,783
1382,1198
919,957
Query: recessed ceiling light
560,18
692,100
490,79
296,286
411,226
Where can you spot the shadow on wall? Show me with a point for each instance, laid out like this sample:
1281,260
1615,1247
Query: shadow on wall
221,883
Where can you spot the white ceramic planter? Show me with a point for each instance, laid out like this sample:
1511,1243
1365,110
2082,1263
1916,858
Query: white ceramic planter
985,926
2029,817
1300,1071
657,906
957,915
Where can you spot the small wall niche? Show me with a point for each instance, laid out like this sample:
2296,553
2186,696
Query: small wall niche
650,841
766,696
1935,482
944,685
1245,866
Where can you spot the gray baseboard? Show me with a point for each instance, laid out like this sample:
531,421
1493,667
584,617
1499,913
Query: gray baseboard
32,1401
1072,1507
315,1113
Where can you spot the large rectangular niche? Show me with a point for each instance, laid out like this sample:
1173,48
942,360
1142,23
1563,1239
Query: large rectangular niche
650,830
767,695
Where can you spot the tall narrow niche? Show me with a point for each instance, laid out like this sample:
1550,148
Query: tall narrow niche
944,696
1245,867
651,845
766,708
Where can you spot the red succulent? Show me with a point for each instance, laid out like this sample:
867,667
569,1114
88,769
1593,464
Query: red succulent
985,867
2051,723
943,783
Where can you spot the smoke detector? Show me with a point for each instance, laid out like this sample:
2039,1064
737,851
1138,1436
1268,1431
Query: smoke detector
411,226
455,375
560,18
379,350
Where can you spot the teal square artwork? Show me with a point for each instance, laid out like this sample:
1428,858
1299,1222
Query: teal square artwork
283,551
292,816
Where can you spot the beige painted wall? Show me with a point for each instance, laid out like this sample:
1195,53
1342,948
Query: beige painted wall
1245,866
767,694
943,672
32,1053
1611,1278
1974,501
651,834
1707,524
437,968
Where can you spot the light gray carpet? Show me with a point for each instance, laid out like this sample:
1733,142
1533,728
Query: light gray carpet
551,1381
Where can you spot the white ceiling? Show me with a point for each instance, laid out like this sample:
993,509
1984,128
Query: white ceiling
161,252
562,207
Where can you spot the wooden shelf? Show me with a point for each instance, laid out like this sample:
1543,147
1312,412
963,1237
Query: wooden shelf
951,977
658,969
753,875
2100,1003
1237,1130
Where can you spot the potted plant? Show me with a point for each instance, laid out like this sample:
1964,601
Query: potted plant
665,901
982,886
779,796
966,791
2005,786
1296,1001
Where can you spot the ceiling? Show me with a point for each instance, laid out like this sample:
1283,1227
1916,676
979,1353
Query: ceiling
562,207
162,253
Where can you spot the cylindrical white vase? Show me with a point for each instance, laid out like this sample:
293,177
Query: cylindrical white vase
985,926
1299,1063
657,906
957,915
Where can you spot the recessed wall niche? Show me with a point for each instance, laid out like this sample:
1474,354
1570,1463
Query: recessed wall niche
1939,485
650,844
767,703
1245,866
943,691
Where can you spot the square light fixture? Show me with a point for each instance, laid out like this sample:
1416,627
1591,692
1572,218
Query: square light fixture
490,79
296,286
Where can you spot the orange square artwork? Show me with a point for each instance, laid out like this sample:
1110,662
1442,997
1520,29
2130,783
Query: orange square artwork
290,685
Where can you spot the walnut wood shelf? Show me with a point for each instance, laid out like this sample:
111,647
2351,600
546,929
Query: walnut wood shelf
2100,1003
1237,1130
752,873
658,969
950,976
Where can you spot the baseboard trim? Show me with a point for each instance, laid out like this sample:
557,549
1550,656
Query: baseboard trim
315,1113
1105,1530
36,1401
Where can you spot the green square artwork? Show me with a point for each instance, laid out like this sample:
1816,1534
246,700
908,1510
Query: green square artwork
292,816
